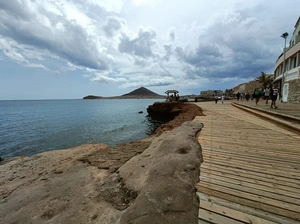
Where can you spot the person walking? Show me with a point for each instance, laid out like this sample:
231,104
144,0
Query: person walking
222,98
238,95
266,94
247,96
256,95
274,92
216,99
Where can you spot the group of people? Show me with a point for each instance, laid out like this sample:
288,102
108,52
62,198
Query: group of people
172,98
242,96
269,93
217,98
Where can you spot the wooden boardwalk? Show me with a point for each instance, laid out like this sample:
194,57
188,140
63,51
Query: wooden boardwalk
251,168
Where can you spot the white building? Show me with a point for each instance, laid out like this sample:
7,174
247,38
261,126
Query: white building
291,76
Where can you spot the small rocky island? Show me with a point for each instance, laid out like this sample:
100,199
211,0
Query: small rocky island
92,97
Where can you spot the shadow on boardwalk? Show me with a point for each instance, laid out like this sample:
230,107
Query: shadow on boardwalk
250,172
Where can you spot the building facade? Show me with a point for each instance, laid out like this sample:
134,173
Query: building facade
211,93
288,78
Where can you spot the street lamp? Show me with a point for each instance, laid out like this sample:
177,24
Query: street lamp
284,35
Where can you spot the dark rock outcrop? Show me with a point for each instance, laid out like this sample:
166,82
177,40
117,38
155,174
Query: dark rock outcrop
164,111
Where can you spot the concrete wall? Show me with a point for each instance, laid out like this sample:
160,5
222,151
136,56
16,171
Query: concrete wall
294,91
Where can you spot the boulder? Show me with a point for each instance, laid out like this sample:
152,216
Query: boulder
164,178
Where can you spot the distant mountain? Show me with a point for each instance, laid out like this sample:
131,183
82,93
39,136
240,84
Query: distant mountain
139,93
142,92
92,97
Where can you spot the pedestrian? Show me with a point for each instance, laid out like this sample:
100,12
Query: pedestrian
242,96
256,95
247,96
274,92
238,96
216,99
222,98
266,94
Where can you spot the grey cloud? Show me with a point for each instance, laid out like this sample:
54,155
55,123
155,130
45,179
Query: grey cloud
15,9
235,48
203,55
209,50
139,46
72,43
171,33
140,62
169,51
154,82
113,25
151,75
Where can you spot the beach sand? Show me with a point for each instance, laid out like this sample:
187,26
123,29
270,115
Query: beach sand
132,183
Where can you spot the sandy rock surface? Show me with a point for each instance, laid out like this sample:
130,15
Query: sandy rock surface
147,180
164,177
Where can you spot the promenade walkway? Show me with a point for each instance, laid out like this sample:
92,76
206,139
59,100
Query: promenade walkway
251,168
283,108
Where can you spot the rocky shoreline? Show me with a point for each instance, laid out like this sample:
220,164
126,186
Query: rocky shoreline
148,181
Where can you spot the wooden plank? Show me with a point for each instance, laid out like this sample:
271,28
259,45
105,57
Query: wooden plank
216,218
239,129
258,155
234,197
239,193
251,179
230,135
279,149
245,149
208,141
292,175
253,173
250,163
253,152
266,140
246,209
201,221
247,186
234,214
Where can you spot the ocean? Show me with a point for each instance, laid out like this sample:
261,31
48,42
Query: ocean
28,127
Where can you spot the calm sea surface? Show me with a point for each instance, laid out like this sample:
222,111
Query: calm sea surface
28,127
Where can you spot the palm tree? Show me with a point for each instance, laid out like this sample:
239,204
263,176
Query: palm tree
266,80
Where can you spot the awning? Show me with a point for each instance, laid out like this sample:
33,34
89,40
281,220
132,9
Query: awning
171,91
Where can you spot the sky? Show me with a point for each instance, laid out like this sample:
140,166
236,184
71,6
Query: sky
68,49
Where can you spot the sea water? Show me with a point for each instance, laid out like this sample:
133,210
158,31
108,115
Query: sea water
28,127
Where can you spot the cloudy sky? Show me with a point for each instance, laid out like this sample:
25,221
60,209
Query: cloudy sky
67,49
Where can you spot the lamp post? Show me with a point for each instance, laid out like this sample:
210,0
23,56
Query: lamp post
284,35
